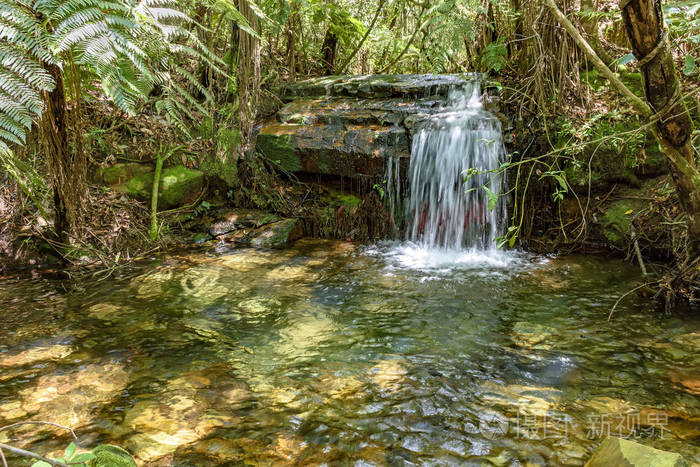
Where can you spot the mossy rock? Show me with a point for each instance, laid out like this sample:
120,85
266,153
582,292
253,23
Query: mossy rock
336,199
107,455
178,185
617,220
122,172
279,147
614,452
277,234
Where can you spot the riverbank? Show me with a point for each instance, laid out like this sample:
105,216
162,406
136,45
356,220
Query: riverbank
316,163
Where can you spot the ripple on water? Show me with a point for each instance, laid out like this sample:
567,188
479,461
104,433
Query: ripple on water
338,354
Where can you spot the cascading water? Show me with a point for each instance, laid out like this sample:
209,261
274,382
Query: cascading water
447,208
454,217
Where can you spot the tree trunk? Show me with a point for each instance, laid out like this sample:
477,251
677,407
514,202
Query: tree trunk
591,27
248,74
645,28
67,171
328,50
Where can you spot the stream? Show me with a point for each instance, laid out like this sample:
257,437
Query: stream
333,353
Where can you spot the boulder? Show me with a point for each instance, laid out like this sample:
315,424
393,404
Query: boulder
620,452
236,219
278,234
178,186
347,150
122,172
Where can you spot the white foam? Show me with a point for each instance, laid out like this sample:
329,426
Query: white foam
411,255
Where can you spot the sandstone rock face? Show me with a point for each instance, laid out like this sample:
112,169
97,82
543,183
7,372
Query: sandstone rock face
349,125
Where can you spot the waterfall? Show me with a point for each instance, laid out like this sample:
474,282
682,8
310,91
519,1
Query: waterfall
443,210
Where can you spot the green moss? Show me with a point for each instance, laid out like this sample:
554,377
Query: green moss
277,235
177,185
107,455
120,173
281,149
335,199
617,220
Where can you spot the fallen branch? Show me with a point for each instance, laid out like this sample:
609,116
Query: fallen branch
32,455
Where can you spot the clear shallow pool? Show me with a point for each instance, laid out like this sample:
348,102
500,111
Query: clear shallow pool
350,355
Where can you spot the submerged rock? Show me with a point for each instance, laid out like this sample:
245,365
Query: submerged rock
532,335
71,398
388,375
182,413
621,452
36,355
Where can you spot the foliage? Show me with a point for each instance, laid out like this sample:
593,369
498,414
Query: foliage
131,48
104,455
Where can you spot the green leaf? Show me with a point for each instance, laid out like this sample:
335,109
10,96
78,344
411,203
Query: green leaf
512,241
41,464
83,457
561,181
690,66
493,199
70,451
625,59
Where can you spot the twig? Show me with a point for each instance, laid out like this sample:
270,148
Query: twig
22,452
637,251
39,422
626,294
2,457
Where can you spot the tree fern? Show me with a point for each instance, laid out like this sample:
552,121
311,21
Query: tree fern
130,47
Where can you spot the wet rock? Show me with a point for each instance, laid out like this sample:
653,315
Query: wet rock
374,86
532,335
622,452
257,229
349,125
178,186
277,234
388,375
180,415
347,150
239,218
70,399
36,355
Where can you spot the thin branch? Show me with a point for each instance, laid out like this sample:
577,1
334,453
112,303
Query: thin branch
641,106
32,455
347,61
